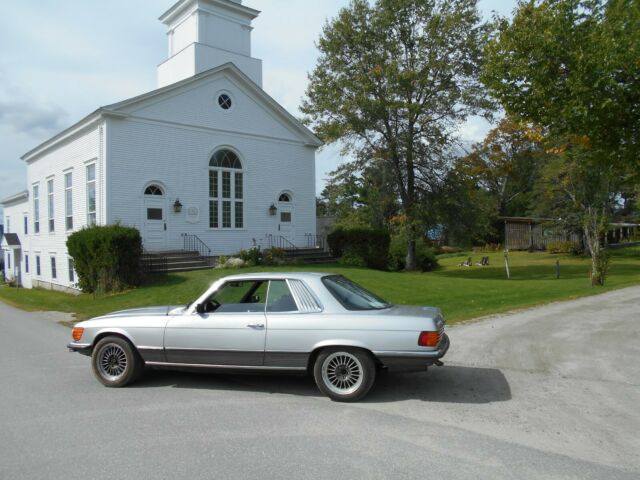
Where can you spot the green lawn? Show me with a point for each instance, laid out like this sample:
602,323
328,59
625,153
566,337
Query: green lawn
461,292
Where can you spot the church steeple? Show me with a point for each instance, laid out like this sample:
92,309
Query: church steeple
204,34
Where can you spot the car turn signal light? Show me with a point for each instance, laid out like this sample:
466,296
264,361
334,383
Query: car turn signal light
76,333
429,339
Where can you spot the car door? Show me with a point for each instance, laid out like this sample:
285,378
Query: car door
290,333
231,332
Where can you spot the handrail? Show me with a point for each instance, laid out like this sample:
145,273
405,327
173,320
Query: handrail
278,241
193,243
314,241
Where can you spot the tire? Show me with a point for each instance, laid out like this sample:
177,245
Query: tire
344,374
115,362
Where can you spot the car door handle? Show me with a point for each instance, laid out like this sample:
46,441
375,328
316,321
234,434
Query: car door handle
256,325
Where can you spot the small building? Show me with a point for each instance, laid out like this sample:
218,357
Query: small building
208,156
527,233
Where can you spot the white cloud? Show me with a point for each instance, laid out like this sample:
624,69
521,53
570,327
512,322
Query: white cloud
26,117
287,86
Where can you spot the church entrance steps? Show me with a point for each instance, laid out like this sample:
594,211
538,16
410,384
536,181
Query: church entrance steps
310,256
174,261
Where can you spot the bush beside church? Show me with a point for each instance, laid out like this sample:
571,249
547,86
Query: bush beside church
106,258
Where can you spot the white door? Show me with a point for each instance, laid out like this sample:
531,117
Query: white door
155,223
286,219
286,227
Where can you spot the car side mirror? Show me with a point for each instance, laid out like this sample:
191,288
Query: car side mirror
200,308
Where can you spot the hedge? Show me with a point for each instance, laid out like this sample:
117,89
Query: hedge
368,244
106,258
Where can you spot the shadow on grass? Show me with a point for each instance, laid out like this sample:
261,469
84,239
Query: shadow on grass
449,384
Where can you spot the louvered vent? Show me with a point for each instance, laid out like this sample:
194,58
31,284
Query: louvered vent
305,299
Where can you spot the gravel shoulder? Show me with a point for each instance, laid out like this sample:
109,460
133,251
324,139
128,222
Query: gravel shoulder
562,378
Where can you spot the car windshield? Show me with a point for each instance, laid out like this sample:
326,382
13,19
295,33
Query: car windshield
351,295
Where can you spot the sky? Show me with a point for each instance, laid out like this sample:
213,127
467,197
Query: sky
60,60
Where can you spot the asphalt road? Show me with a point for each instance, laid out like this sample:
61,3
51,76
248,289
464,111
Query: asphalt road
551,392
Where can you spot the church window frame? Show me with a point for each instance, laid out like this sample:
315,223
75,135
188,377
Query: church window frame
226,190
225,100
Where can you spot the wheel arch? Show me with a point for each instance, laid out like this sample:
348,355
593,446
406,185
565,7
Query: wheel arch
113,333
339,344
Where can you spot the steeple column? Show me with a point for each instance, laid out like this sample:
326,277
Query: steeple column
204,34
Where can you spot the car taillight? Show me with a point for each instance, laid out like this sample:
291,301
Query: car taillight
429,339
76,333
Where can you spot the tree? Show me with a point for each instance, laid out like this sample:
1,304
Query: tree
571,67
465,211
507,164
393,82
362,198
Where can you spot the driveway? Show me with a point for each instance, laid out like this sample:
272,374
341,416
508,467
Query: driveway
551,392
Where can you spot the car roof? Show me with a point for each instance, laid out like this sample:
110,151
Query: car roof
277,275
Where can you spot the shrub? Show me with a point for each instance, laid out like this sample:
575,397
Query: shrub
106,258
425,256
352,260
252,257
565,246
273,256
231,262
371,245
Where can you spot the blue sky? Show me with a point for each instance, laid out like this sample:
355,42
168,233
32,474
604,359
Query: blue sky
60,60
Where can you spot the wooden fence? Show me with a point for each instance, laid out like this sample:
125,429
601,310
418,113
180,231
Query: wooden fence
533,235
521,233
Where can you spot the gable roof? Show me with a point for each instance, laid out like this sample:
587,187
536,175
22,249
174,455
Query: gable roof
115,109
17,198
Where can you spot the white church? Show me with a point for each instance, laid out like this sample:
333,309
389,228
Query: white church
208,156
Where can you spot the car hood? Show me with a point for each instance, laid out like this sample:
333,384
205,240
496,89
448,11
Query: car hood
147,312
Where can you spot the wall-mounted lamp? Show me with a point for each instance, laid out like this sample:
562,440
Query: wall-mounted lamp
273,210
177,206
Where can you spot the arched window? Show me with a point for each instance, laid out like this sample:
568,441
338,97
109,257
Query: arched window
226,191
153,190
284,197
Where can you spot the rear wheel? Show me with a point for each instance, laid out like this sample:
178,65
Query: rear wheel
115,362
344,375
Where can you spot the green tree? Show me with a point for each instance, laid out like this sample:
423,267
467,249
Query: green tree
507,164
572,67
393,82
363,198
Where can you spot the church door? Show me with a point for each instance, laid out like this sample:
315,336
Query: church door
154,219
286,224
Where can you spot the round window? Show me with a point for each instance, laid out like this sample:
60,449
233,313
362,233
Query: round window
224,101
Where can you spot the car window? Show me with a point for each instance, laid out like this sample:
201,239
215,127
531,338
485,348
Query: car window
280,298
242,296
351,295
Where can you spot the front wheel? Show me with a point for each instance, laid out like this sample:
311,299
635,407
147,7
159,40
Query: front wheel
344,375
115,363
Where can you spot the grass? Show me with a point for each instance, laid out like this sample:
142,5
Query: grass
461,292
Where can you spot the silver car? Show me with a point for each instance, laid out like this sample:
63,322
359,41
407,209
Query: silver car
316,323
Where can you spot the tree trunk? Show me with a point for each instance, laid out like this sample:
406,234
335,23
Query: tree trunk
594,226
411,264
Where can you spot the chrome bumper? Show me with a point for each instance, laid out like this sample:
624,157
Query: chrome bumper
83,348
413,361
